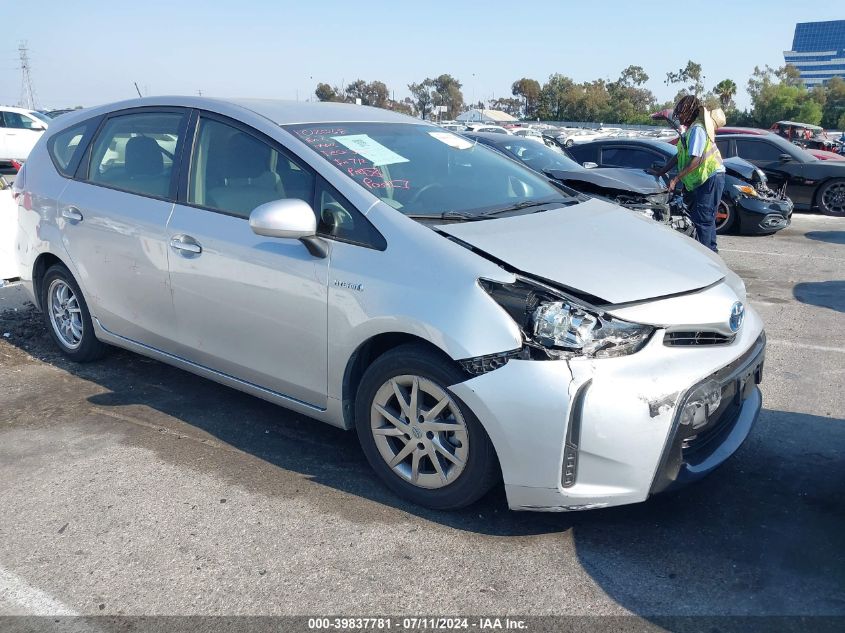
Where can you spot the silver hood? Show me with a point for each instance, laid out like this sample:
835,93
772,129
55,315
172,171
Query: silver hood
597,248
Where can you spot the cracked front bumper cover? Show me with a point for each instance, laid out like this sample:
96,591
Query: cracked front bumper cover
627,411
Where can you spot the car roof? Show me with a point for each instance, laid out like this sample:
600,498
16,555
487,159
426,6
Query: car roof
733,129
279,111
649,142
15,109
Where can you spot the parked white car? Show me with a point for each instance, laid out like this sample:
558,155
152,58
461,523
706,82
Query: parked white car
486,127
529,133
19,132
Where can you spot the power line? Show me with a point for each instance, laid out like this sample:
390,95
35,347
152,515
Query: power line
27,91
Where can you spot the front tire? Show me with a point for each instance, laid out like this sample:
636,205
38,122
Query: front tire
422,441
725,217
67,318
831,198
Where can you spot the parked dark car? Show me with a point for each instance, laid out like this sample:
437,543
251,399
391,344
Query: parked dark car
821,154
748,205
811,183
634,190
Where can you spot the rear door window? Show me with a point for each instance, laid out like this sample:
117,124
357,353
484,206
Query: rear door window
136,152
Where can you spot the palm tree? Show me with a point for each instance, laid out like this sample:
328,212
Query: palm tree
726,89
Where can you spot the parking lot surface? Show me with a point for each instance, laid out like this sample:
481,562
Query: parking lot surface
129,487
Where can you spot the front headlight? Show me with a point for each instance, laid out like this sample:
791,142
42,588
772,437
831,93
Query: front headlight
561,326
748,190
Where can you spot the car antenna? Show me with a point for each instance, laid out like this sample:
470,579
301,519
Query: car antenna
137,89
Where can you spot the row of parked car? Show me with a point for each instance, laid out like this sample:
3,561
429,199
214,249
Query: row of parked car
768,176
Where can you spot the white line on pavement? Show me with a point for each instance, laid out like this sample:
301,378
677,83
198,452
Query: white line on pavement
821,348
804,255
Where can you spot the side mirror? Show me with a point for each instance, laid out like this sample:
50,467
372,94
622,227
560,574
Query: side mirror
657,165
291,218
785,158
590,165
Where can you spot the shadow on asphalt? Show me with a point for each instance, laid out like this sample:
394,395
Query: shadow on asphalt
834,237
825,294
770,519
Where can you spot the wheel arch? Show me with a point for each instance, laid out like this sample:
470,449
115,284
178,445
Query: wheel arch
364,355
42,264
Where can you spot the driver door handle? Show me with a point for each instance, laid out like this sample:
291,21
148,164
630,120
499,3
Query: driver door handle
72,213
185,245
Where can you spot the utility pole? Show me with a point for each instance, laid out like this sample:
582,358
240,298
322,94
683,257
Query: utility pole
27,91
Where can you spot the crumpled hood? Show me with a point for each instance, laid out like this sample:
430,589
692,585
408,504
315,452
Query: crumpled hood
633,180
739,168
597,248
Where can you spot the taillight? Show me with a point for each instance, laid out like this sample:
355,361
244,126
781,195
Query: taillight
16,165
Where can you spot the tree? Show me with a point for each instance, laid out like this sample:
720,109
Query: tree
777,95
449,94
628,101
422,95
509,105
834,104
690,75
529,90
555,96
325,92
726,91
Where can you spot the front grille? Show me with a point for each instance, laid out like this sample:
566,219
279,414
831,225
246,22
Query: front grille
672,339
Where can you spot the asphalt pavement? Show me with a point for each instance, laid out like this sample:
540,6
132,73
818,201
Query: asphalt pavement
128,487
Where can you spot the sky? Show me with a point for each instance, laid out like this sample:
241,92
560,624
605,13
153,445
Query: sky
88,52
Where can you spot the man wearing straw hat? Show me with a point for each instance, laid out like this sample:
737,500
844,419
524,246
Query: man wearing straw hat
700,166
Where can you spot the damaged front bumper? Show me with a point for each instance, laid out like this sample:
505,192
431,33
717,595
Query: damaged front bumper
587,433
759,216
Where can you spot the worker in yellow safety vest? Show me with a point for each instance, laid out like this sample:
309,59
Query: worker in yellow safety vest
700,168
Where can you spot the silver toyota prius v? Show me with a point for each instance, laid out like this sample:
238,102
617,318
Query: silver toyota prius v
472,321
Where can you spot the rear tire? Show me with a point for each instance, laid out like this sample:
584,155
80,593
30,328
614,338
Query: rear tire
831,198
423,441
725,217
67,318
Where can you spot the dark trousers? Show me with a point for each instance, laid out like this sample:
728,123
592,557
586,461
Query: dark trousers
704,201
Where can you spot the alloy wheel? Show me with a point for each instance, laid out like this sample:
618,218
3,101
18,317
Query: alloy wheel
65,314
419,431
833,198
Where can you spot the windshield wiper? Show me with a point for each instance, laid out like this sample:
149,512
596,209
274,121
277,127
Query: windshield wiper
527,204
469,217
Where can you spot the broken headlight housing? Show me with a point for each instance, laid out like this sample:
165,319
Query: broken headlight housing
748,190
561,326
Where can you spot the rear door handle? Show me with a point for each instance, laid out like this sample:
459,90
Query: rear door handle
72,213
185,245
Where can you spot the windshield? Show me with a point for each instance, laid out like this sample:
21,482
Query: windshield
425,170
41,116
536,155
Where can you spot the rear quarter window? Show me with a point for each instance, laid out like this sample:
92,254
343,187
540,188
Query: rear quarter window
67,147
